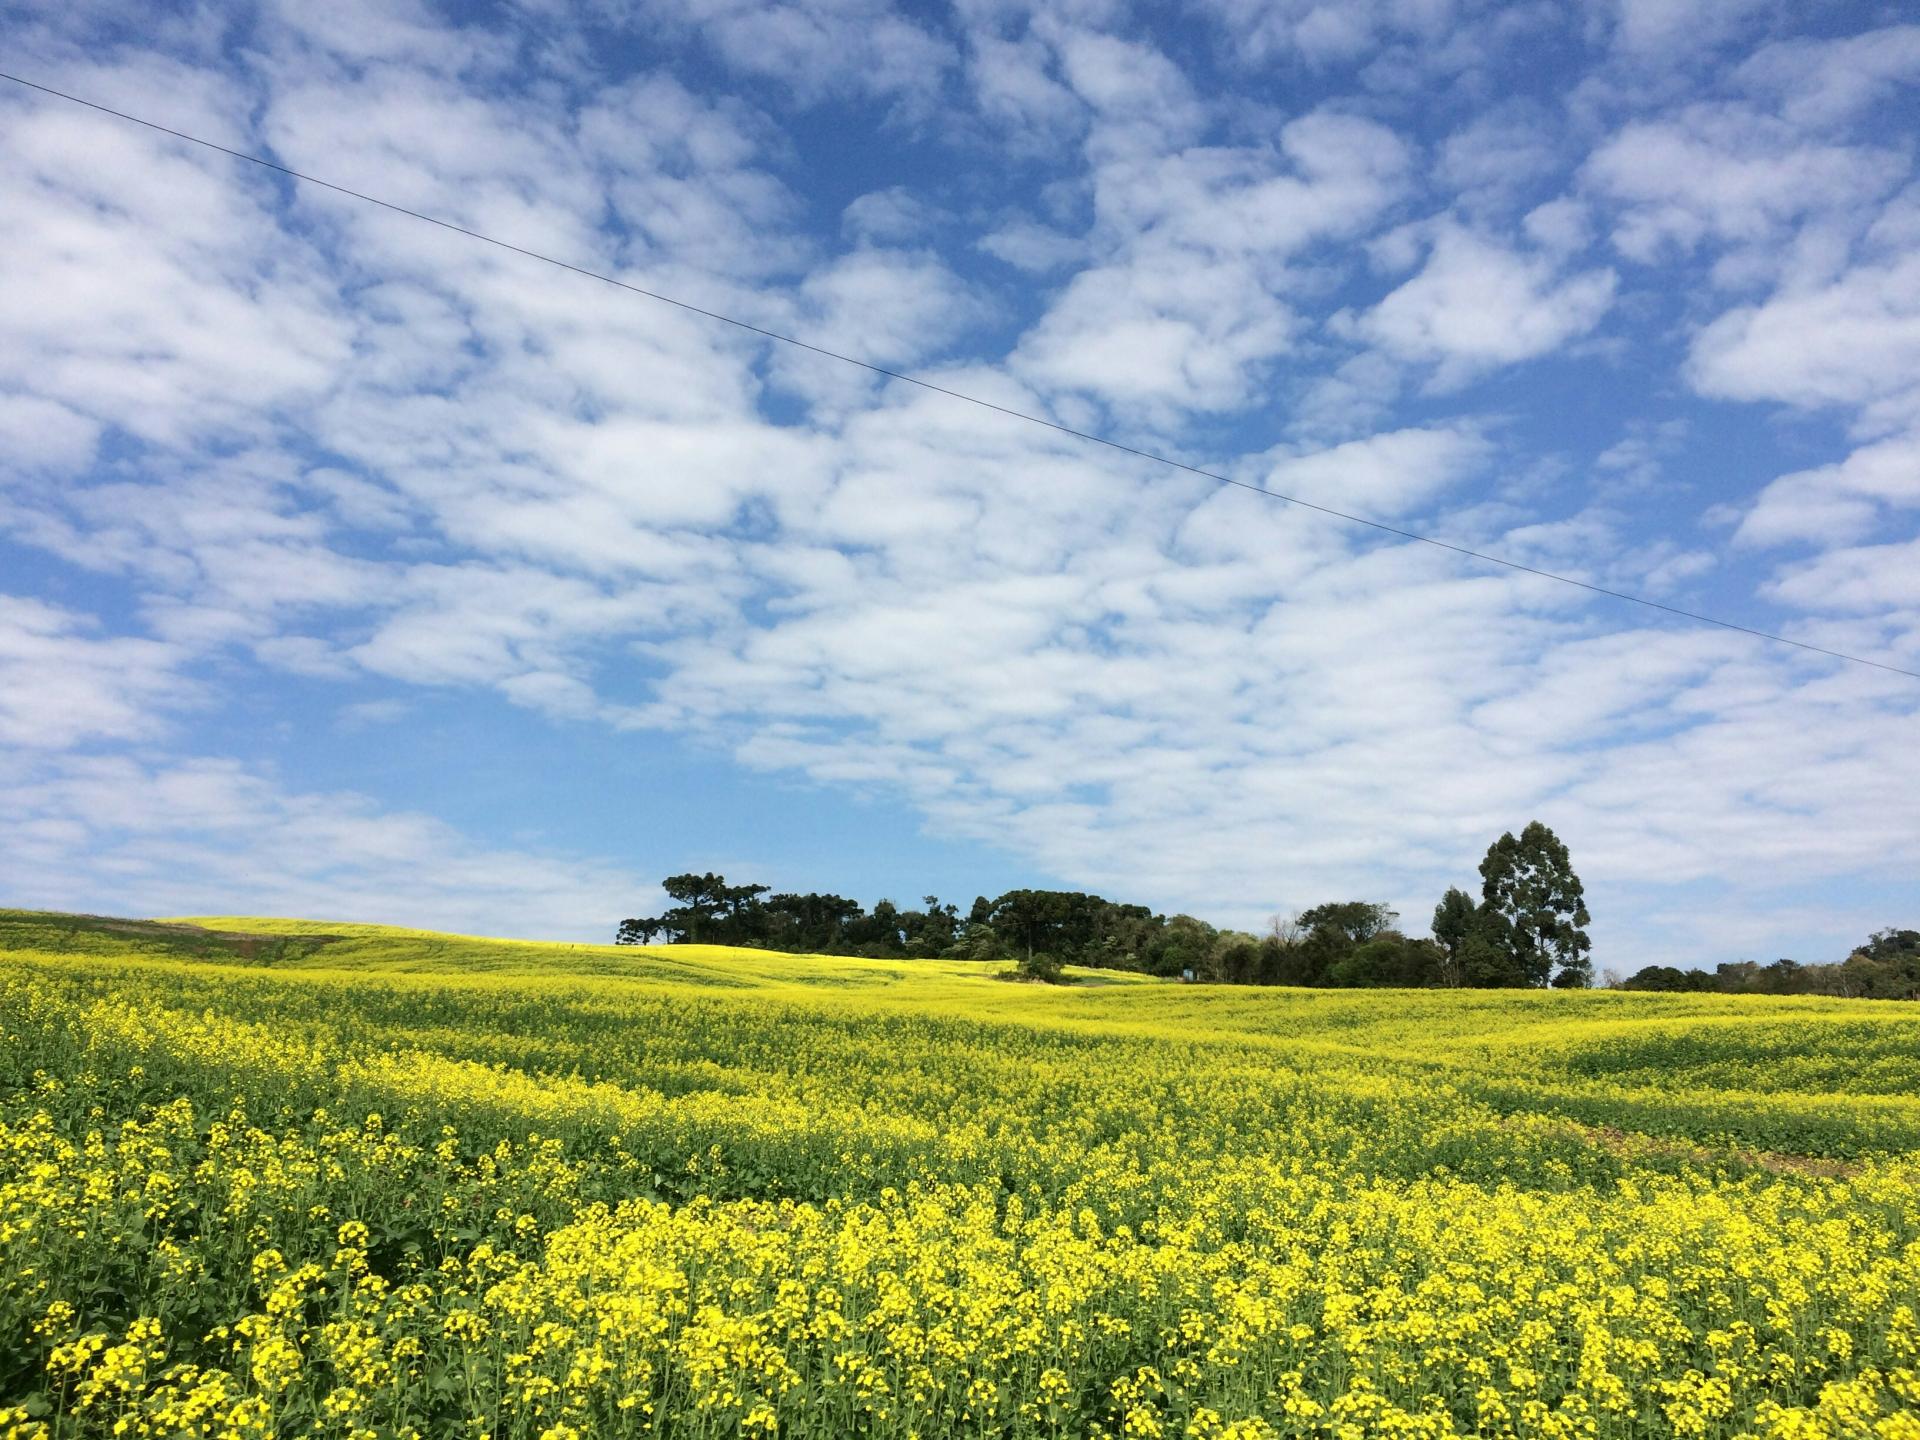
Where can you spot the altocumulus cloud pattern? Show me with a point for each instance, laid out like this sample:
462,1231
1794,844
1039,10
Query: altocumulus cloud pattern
312,514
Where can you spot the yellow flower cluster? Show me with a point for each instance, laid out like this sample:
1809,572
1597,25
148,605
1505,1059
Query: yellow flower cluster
836,1199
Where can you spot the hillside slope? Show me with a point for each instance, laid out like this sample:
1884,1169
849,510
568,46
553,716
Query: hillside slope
329,945
338,1179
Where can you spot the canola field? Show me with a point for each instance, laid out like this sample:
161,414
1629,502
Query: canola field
357,1182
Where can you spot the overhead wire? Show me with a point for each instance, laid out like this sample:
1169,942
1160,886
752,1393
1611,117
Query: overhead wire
905,378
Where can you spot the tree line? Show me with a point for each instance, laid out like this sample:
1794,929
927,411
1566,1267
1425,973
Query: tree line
1526,927
1886,967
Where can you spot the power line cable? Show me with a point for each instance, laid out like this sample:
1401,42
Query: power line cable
906,379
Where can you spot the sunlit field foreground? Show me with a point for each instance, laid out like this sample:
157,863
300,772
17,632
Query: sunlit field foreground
398,1184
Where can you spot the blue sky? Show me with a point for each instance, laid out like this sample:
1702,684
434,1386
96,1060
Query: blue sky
349,568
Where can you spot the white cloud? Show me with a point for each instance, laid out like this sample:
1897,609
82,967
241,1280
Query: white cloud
889,216
1144,102
1161,336
1014,86
1830,82
1183,307
1381,475
230,550
394,31
1496,152
687,177
201,316
1560,228
1742,781
820,48
532,634
890,307
1863,579
1854,341
1837,503
37,432
1725,174
1637,461
1897,227
1675,32
63,684
364,714
1324,32
1477,305
1028,245
211,836
580,447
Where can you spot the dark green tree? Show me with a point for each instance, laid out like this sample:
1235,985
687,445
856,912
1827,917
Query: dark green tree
703,899
1031,920
1039,965
979,942
1351,921
1453,921
1489,960
975,938
810,924
1236,957
1891,946
1530,885
1184,944
1064,923
1389,958
1332,932
1668,978
880,934
1887,967
710,911
1123,936
638,931
933,930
